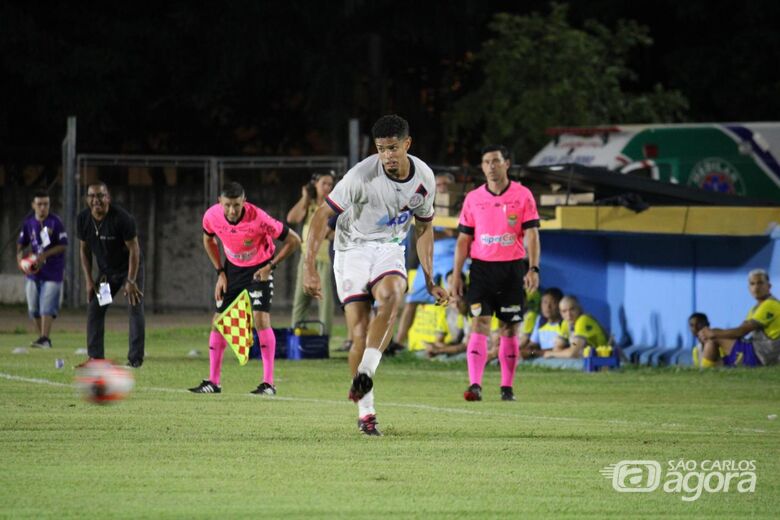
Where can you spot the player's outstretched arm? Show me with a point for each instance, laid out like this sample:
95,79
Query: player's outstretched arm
317,230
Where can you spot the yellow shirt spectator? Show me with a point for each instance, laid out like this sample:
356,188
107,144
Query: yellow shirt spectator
767,313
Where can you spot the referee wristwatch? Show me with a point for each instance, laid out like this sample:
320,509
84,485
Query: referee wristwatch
219,270
534,269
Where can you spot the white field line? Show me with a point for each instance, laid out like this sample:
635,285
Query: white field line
647,426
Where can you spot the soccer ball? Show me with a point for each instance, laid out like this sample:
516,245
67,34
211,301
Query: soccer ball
29,264
101,382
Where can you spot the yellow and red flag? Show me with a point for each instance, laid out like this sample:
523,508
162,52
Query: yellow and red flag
235,325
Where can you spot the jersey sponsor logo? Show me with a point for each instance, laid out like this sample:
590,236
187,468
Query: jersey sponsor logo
511,308
506,240
399,219
416,201
238,256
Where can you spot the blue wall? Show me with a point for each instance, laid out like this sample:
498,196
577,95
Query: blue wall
643,287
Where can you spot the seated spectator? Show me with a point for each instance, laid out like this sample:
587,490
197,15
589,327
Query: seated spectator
452,327
731,347
696,322
546,328
530,317
580,330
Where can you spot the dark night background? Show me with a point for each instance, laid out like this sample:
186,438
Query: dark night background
283,78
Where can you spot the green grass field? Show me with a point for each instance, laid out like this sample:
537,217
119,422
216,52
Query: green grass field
166,453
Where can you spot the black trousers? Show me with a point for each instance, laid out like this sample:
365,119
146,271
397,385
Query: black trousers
96,320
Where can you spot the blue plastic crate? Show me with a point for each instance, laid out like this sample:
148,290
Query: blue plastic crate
308,346
593,363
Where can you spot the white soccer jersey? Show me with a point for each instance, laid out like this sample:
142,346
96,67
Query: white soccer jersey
373,207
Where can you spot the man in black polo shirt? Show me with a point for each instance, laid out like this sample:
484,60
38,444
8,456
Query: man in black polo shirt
109,232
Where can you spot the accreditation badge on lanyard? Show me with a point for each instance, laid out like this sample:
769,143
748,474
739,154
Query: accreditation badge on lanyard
45,240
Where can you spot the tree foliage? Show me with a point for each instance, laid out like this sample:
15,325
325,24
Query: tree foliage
538,71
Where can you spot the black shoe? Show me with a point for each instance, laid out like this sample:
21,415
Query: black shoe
473,393
264,389
42,342
135,363
507,394
346,346
361,385
206,387
368,425
393,348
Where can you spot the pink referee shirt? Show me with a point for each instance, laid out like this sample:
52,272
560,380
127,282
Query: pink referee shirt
248,242
497,222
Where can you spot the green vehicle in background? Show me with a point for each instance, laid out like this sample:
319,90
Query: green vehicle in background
736,158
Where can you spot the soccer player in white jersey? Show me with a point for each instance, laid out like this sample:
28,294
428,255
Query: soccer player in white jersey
375,202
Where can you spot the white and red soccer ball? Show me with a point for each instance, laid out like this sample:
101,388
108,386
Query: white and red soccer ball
29,264
101,382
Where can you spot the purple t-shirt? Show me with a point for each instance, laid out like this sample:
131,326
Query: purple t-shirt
32,234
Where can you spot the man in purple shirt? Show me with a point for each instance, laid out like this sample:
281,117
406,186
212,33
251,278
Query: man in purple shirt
44,235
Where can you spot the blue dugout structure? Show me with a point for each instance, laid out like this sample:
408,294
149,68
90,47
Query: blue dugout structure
642,275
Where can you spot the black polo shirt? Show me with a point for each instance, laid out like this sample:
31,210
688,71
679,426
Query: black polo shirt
107,238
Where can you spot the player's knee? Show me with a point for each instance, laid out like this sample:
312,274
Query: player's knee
389,298
711,350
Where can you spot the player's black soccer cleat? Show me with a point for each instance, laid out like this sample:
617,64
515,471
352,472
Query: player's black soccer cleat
264,389
368,425
473,393
507,394
361,385
206,387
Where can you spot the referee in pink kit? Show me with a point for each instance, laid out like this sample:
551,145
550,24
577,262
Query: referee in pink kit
247,234
497,221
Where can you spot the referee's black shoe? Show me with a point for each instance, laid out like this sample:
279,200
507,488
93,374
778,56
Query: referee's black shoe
507,394
473,393
206,387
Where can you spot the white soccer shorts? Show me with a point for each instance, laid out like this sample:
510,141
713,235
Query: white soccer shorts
358,269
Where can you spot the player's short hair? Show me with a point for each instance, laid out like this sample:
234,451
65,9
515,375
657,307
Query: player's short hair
495,148
390,126
700,317
556,293
232,190
40,193
758,272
